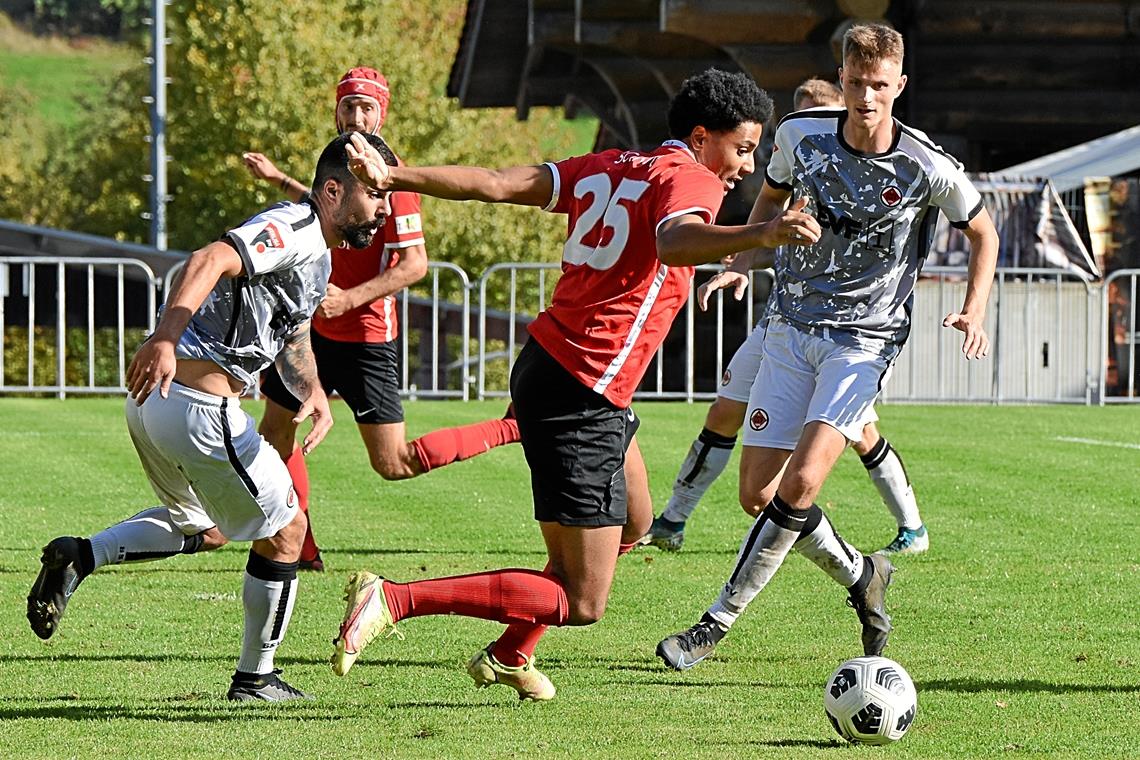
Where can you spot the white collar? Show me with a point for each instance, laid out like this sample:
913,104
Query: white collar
681,145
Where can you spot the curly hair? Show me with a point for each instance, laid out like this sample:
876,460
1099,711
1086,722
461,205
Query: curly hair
719,102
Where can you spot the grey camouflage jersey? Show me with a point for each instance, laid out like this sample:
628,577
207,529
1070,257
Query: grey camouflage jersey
243,323
877,213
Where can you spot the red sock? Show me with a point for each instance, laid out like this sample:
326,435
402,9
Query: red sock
442,447
518,642
509,596
300,475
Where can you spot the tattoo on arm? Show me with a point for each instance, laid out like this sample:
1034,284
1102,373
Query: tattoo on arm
296,364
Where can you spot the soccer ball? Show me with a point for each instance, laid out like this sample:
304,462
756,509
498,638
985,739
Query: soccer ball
870,700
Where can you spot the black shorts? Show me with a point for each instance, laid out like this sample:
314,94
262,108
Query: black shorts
574,441
366,375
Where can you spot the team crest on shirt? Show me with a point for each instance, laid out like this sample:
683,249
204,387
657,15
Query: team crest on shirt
291,499
891,195
758,419
267,238
726,378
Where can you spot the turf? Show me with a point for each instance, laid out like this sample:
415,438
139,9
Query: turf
1020,627
63,78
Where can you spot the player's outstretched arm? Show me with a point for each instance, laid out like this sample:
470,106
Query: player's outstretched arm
686,240
521,185
983,260
770,204
261,167
153,365
298,370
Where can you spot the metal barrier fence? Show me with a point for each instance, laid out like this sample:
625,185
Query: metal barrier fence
424,371
528,287
1050,332
1044,341
38,353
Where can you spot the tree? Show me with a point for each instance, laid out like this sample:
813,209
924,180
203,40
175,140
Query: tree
260,75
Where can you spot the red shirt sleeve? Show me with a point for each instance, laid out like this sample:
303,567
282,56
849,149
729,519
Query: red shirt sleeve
566,173
405,224
688,189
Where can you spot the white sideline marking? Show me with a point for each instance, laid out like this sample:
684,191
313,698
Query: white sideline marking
1094,442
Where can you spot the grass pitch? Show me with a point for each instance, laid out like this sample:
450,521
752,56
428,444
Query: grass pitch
1019,627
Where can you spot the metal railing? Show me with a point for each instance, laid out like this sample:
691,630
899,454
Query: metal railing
89,267
1050,333
1042,328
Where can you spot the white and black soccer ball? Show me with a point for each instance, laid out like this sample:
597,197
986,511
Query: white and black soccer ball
870,700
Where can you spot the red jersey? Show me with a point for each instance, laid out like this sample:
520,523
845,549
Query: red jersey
615,301
373,322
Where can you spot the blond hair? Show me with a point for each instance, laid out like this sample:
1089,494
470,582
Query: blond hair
820,92
869,44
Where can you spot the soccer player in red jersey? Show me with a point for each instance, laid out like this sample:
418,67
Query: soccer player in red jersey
355,330
637,223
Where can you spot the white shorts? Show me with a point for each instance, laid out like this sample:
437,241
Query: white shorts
803,378
209,466
736,382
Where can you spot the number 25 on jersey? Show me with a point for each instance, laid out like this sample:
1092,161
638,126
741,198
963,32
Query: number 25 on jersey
607,208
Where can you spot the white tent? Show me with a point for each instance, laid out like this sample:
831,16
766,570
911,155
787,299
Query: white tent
1109,156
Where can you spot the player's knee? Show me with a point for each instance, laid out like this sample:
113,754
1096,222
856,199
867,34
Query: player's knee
586,611
636,526
868,440
288,540
281,440
725,417
800,486
206,541
390,469
399,465
754,497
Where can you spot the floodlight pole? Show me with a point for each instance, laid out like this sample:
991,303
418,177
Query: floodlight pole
158,124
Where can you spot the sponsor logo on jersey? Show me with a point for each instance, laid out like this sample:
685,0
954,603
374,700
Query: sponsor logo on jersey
291,499
267,238
758,419
726,378
408,223
891,195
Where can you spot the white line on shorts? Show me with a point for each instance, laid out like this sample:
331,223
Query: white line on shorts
1094,442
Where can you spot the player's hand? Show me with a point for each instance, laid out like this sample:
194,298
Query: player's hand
976,344
720,281
262,168
792,227
366,163
336,302
153,366
315,407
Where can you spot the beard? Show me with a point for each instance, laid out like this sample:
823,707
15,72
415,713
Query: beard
360,235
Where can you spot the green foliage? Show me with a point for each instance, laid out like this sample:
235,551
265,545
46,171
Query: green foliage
20,151
1019,627
79,359
260,75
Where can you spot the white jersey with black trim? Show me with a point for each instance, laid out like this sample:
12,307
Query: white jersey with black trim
243,323
877,213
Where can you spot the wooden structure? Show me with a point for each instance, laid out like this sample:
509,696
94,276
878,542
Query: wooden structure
995,81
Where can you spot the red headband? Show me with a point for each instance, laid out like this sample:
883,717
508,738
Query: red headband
366,83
